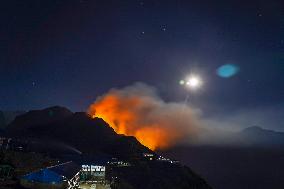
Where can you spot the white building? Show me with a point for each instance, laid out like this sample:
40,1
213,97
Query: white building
93,176
94,170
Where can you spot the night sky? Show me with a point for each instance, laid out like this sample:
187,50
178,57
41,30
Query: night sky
67,53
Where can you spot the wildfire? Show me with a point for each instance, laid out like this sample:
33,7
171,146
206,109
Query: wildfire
130,116
138,111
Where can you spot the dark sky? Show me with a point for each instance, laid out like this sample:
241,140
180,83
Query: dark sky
68,52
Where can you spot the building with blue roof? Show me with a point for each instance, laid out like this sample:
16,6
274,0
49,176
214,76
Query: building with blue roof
65,175
84,171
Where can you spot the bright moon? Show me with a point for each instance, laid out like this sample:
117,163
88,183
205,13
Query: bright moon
193,82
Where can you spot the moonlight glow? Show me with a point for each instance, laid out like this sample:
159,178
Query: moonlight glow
192,82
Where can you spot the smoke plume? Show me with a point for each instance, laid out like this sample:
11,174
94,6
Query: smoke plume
138,111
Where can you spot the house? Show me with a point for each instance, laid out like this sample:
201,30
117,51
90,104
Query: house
13,144
5,143
6,171
148,156
65,175
114,162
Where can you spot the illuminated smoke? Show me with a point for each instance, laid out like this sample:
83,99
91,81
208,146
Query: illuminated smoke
138,111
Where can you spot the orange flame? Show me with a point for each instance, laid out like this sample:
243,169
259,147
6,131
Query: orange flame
126,115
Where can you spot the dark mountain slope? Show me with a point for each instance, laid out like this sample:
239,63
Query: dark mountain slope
7,117
36,117
95,136
257,136
78,130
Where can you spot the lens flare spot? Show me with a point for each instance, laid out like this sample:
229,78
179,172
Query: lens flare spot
181,82
227,70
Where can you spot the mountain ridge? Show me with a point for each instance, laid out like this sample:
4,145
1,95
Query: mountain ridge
94,136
